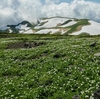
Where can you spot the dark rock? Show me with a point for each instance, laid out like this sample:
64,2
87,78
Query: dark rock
27,45
76,97
97,94
93,44
57,55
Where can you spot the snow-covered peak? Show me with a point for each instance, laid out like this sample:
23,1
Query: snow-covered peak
52,22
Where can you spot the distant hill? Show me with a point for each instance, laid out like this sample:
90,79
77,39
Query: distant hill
55,25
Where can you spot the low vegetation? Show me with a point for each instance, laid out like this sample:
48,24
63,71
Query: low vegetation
81,22
60,67
66,22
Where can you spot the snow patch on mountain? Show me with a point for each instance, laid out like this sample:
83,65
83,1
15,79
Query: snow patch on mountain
63,31
92,29
53,22
69,24
46,31
10,31
22,27
28,32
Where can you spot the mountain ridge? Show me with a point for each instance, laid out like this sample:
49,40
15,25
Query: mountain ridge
55,25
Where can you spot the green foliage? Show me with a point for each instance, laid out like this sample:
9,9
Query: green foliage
84,34
42,23
63,67
81,22
66,22
4,31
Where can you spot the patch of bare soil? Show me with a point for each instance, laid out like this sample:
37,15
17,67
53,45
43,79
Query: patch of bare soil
79,27
24,45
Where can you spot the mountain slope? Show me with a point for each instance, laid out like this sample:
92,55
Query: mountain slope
93,28
19,28
55,25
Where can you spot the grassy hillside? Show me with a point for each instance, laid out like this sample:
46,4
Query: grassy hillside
48,66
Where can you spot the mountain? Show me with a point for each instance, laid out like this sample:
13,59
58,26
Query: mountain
23,27
55,25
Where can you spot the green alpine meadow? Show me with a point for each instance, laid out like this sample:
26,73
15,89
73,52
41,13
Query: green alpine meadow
49,49
49,66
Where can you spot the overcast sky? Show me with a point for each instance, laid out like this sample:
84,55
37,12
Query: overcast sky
68,1
15,11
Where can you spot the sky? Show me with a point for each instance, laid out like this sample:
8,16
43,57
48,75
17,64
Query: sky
68,1
15,11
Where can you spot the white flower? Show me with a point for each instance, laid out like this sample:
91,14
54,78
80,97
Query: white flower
86,96
82,92
91,97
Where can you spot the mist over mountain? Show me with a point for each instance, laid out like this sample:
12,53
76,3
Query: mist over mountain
15,11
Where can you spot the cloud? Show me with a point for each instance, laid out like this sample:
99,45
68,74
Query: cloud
75,9
15,11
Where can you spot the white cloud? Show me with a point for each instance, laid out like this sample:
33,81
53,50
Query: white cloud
30,9
15,11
